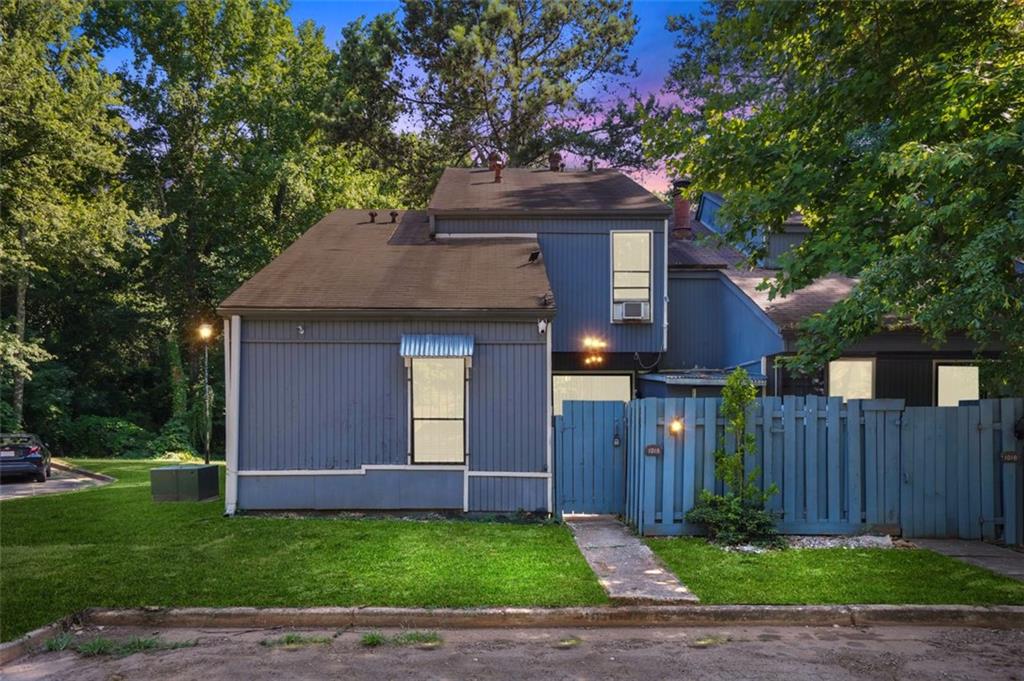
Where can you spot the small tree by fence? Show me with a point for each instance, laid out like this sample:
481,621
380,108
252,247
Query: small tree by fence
736,516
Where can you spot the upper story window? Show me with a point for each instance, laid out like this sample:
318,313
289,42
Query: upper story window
707,212
632,258
955,382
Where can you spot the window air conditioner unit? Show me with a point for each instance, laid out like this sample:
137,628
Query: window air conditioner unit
632,312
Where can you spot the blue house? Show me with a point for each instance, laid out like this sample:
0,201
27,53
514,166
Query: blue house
720,320
413,360
416,360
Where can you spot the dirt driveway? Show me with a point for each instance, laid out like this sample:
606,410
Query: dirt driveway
789,653
60,481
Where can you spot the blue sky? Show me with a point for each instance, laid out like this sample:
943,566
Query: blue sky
652,48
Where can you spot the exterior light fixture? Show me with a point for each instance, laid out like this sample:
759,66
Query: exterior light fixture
205,334
676,426
594,343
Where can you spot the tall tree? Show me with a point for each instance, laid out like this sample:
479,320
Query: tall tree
516,77
227,144
62,203
896,129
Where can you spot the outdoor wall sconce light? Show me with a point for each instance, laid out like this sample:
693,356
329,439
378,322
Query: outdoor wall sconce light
616,440
676,426
594,348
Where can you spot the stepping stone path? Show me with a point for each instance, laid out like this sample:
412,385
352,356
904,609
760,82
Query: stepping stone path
626,568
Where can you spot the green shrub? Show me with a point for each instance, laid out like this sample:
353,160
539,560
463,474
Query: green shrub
738,516
730,521
174,438
106,436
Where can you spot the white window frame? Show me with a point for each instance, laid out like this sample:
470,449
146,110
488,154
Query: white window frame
874,375
936,363
411,422
611,274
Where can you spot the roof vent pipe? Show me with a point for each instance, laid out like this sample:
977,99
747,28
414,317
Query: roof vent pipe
555,161
498,165
373,216
591,165
492,160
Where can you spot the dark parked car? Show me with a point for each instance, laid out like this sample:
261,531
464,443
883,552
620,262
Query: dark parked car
24,454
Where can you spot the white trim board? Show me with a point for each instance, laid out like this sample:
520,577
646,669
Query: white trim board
507,474
351,471
486,235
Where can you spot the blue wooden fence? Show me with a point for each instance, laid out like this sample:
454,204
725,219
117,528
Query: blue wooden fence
840,467
589,465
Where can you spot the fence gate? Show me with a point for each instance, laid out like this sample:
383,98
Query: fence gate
590,455
960,471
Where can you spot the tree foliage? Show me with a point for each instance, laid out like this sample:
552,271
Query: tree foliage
63,208
895,129
523,78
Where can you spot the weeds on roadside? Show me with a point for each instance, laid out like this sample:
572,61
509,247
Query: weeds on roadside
59,642
136,644
423,639
295,641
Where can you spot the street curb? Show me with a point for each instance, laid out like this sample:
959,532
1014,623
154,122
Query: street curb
81,471
27,643
995,617
989,617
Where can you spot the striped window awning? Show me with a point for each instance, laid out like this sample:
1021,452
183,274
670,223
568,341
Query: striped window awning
436,345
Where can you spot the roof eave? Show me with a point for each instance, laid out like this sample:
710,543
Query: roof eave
386,313
550,213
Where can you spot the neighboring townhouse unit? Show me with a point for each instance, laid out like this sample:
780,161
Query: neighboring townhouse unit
719,320
413,360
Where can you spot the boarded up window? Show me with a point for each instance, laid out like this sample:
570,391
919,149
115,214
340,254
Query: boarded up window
589,387
851,379
438,409
957,382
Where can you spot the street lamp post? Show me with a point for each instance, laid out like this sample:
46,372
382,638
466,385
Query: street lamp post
205,334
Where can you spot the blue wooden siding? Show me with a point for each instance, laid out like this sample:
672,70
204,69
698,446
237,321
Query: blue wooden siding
577,257
323,395
713,325
377,489
490,495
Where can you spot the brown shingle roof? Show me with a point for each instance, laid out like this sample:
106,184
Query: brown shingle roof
345,262
473,191
788,312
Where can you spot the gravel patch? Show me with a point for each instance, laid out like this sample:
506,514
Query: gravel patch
863,541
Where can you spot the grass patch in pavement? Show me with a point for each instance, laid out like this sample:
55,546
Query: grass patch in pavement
421,639
832,576
137,644
295,641
113,547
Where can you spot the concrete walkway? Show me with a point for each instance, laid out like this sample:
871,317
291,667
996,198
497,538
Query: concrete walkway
1006,562
625,566
60,481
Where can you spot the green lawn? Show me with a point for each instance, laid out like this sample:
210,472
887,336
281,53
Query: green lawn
825,576
113,547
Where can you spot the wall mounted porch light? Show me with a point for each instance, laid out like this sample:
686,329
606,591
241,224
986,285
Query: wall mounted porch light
676,426
594,348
